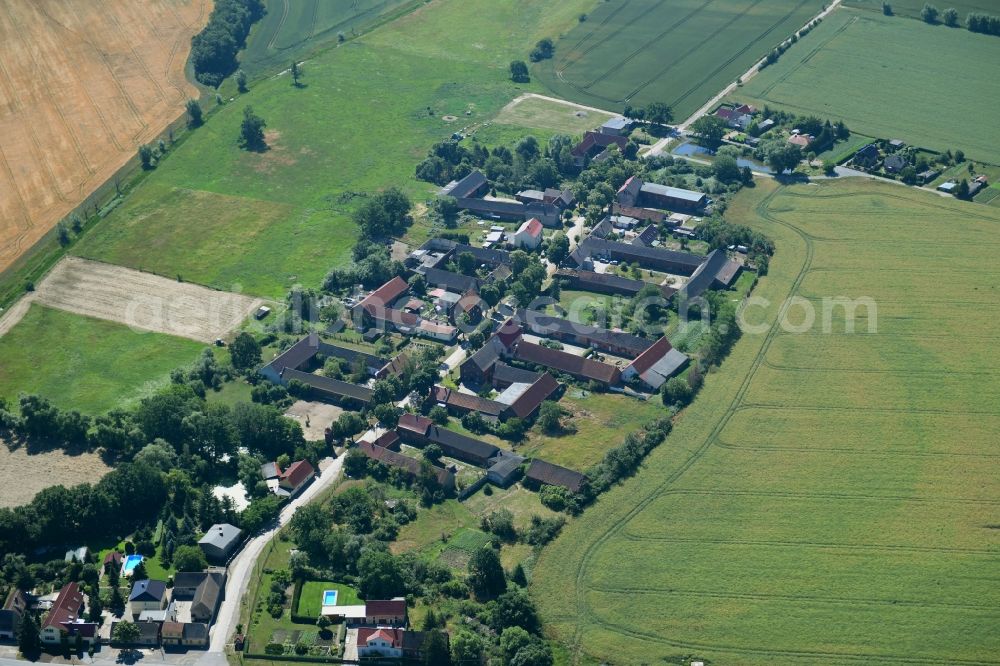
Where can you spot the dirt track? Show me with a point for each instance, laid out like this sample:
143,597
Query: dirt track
142,300
82,84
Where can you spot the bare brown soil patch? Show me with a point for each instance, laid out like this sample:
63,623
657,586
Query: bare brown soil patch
22,476
314,417
82,85
142,300
276,155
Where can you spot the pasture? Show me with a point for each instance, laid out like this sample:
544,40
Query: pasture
81,86
681,53
364,118
87,364
935,103
830,497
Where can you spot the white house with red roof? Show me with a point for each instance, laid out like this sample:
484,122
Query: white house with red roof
656,365
529,234
64,619
380,642
295,478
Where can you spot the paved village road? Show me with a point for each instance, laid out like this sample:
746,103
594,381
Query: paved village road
242,565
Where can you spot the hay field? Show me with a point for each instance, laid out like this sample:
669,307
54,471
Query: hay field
143,301
82,84
48,468
934,101
829,498
680,52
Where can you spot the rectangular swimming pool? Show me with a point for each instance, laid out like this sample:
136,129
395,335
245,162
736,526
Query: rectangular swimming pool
130,563
330,598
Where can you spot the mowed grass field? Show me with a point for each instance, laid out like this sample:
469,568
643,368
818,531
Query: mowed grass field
263,222
926,85
829,498
680,52
87,364
292,27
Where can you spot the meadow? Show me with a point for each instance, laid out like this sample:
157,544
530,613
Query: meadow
87,364
364,117
934,102
830,497
681,53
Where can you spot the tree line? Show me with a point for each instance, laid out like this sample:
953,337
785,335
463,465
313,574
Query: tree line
214,49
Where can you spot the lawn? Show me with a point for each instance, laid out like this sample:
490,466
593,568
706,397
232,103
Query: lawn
681,53
519,501
936,103
87,364
600,421
434,526
829,497
364,118
311,598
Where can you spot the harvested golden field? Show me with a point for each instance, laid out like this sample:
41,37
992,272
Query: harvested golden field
47,469
82,85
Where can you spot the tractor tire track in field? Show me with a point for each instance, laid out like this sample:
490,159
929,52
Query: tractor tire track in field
863,658
98,111
585,614
830,496
277,28
575,56
312,20
819,47
813,544
32,129
640,505
874,371
895,453
69,130
655,38
694,88
815,598
882,410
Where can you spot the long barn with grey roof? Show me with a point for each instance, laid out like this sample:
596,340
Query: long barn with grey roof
650,258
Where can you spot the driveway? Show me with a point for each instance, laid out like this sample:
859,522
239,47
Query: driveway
242,565
351,645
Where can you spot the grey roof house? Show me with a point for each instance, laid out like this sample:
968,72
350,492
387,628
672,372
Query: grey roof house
220,540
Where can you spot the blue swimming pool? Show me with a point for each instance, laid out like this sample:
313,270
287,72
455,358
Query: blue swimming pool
130,563
330,598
